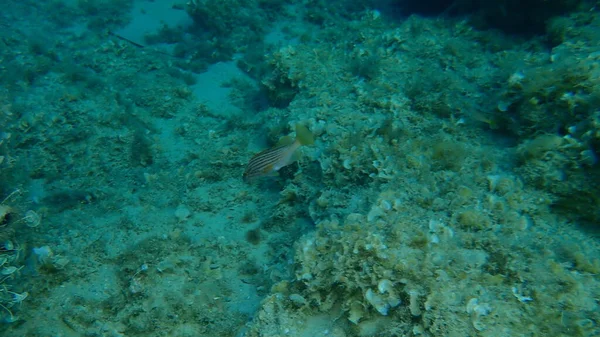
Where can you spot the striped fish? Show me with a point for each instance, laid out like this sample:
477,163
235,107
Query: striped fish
272,160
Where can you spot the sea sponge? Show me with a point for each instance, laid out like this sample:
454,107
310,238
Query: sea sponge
539,146
473,219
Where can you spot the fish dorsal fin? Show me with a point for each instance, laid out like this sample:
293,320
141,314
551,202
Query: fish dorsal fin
283,141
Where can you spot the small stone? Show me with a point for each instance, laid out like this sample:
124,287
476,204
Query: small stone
182,213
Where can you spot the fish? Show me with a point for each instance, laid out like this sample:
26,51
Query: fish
269,161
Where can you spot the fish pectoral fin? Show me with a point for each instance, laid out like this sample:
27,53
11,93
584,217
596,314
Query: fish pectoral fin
267,169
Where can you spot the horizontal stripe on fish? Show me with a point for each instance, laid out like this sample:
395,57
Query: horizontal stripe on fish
271,160
265,161
267,156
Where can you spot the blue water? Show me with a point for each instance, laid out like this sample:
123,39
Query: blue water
452,189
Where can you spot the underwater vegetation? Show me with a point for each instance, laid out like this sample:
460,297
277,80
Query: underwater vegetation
550,106
408,148
451,190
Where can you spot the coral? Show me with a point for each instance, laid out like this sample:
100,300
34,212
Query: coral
351,265
549,106
14,222
11,262
231,25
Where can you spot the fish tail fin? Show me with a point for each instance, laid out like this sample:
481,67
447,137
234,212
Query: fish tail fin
303,135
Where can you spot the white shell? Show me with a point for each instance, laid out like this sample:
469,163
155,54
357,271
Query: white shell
32,219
